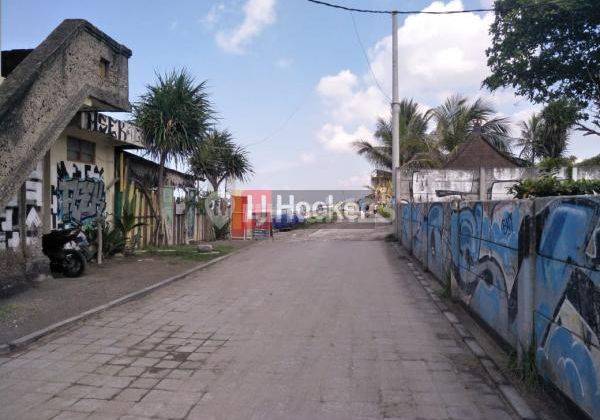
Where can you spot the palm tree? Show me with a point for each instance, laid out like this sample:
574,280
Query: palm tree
558,118
417,148
456,119
546,134
531,131
173,116
218,158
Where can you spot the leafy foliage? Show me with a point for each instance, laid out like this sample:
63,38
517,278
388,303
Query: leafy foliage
126,222
593,161
456,119
384,211
547,50
173,115
546,135
547,186
112,238
417,148
218,158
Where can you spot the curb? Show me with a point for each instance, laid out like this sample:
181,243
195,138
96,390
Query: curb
508,392
21,342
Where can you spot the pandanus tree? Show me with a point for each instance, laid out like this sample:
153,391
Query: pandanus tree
217,159
173,114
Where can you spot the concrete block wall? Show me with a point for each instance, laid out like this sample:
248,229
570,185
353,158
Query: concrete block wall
433,185
529,270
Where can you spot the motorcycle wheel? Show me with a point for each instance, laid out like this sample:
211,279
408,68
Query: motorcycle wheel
55,267
73,264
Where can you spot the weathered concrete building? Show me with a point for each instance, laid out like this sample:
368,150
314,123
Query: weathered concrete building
57,154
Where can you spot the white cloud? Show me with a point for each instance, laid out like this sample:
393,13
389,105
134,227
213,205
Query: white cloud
307,157
336,138
439,56
284,63
283,165
348,100
213,15
356,181
437,53
258,14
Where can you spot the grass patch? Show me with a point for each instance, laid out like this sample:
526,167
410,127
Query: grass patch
444,292
390,237
526,371
189,252
6,311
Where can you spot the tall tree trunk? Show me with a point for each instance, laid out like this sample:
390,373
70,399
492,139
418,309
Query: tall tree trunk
158,231
211,231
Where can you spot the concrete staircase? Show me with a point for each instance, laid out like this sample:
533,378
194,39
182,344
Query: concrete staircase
76,67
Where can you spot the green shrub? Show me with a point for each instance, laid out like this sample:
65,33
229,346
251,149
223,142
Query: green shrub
547,186
384,211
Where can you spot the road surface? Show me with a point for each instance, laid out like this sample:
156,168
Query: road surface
325,324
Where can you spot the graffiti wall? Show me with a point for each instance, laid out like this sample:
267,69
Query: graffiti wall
439,185
79,195
567,308
548,250
10,224
486,261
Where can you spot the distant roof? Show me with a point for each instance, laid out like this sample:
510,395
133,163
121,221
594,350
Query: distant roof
173,176
478,152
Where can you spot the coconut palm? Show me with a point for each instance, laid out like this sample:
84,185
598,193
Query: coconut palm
218,158
558,118
531,131
417,148
173,116
546,134
456,119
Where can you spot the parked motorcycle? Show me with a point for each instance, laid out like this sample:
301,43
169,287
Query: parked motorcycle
68,250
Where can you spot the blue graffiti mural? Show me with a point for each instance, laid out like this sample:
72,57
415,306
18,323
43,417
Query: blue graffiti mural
436,249
567,312
419,231
489,248
486,261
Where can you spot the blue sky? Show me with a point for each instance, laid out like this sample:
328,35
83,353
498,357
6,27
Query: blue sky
289,78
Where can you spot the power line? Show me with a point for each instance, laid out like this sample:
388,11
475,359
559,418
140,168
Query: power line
362,47
400,12
282,125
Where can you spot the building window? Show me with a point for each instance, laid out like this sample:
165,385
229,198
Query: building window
80,150
103,67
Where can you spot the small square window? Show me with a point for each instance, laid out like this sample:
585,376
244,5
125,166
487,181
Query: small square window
80,150
104,66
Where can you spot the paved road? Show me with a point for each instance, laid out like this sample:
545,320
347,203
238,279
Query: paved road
314,325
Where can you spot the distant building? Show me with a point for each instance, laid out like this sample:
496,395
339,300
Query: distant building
381,183
477,152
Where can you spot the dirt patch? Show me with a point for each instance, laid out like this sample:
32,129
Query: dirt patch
56,299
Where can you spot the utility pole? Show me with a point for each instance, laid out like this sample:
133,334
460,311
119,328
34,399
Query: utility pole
395,116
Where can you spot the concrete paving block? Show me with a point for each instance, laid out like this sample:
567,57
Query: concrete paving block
493,371
451,317
517,402
475,347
